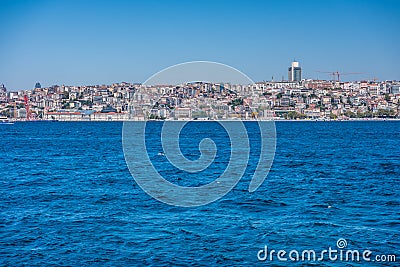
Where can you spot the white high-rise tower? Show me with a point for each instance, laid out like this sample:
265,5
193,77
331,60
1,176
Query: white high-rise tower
294,73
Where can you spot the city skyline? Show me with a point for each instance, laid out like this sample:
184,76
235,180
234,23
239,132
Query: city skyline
307,99
294,74
62,42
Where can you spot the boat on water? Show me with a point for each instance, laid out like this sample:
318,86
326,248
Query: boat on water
6,121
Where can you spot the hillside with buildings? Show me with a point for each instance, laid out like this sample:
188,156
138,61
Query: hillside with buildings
295,98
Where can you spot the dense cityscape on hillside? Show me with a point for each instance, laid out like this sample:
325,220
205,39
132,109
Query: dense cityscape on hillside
295,98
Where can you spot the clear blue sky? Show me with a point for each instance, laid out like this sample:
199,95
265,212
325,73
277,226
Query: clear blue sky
100,42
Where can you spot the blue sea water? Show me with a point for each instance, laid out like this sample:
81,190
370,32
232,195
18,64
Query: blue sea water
68,198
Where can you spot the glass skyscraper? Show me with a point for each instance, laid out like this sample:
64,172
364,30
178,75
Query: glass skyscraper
294,74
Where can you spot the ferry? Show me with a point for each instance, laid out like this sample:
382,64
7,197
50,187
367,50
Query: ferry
5,120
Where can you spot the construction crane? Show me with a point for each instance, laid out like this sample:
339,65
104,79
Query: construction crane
28,113
338,74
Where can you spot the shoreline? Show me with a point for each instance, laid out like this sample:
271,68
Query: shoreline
266,120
